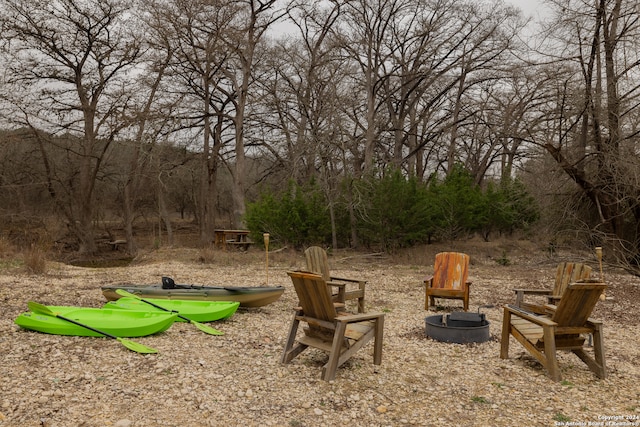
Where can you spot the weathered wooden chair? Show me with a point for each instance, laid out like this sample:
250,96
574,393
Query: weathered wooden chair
449,280
318,263
561,328
567,272
341,335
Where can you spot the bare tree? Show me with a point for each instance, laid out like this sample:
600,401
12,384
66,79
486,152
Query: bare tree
150,118
305,91
252,18
67,68
199,56
365,38
593,140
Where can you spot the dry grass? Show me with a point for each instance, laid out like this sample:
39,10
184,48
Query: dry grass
35,260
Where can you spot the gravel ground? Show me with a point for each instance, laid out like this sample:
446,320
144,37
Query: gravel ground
237,379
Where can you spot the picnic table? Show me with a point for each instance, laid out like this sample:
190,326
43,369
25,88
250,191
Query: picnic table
224,239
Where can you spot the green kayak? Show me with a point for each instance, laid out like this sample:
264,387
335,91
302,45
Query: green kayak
200,311
247,296
120,323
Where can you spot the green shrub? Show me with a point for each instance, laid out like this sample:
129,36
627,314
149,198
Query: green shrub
296,217
462,208
508,207
458,204
394,211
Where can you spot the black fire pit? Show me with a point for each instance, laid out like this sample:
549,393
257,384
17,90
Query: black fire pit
458,327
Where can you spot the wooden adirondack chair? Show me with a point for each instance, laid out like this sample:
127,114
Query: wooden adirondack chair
318,263
449,280
567,272
562,328
341,335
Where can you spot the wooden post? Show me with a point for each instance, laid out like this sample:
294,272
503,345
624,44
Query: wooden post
266,248
599,256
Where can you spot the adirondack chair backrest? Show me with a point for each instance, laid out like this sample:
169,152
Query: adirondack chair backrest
577,303
314,295
317,261
450,270
569,272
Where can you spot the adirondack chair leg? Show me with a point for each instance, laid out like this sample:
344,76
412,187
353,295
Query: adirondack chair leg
504,342
377,349
361,286
598,349
597,363
290,352
330,368
597,368
550,353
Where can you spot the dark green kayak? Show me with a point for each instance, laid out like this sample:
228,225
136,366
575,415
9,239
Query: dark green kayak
120,323
247,296
200,311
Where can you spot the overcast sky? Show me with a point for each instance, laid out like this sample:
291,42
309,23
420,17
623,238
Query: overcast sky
529,7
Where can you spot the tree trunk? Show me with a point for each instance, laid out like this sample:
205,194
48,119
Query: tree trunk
164,213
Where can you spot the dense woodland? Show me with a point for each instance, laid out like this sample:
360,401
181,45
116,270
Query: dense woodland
431,119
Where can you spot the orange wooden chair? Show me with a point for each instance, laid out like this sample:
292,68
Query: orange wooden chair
449,280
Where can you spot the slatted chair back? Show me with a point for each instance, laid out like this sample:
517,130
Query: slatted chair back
569,272
313,295
342,288
317,261
577,303
450,270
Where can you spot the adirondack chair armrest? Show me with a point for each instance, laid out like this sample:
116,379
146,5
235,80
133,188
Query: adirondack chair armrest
593,323
344,279
532,317
532,291
534,308
568,330
352,318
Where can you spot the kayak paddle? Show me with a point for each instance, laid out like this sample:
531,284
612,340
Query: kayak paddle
131,345
204,328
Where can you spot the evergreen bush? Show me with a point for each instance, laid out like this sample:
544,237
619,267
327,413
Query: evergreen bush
297,217
458,204
394,211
